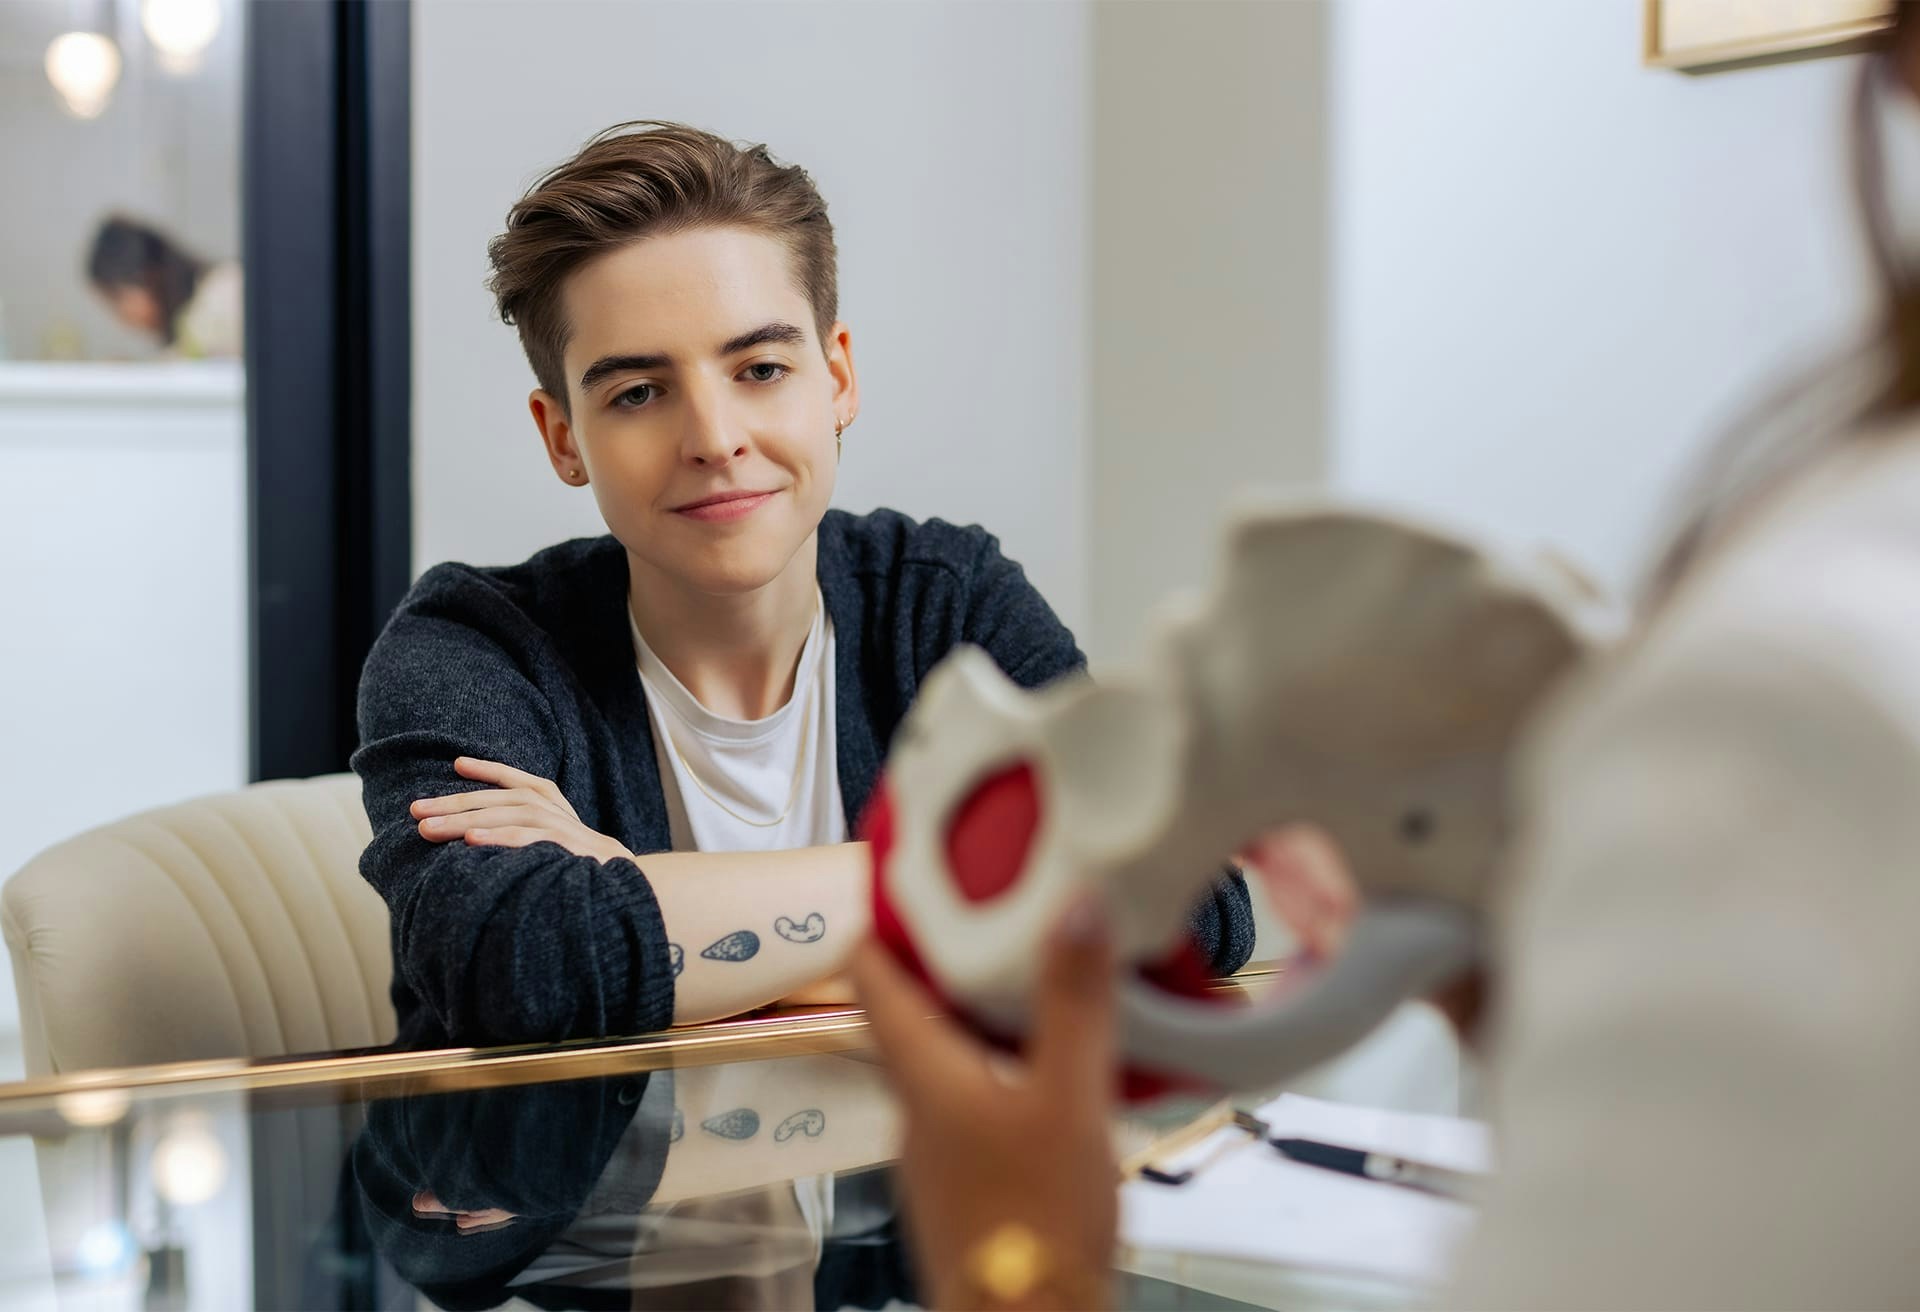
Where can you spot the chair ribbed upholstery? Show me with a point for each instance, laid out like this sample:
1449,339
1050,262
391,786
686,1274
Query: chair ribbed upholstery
235,925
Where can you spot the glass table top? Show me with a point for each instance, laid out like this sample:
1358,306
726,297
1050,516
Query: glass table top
743,1164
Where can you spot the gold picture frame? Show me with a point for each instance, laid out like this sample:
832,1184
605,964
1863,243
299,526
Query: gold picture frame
1698,36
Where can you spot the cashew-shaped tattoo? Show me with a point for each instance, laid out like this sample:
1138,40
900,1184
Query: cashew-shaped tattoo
810,930
810,1122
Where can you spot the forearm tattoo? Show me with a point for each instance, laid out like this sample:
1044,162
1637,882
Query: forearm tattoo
810,930
744,944
810,1122
741,945
740,1123
743,1123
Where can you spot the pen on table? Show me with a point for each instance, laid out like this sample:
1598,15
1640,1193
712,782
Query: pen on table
1459,1185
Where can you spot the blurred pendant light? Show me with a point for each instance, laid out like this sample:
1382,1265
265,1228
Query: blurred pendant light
180,30
84,68
189,1165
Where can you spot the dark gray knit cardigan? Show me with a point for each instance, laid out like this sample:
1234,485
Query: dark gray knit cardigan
533,665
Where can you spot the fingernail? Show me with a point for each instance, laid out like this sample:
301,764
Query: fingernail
1085,920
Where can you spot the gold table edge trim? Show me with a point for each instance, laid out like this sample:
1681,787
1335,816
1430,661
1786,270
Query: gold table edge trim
817,1031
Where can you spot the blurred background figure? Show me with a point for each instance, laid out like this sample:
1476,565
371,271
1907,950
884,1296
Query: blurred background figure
156,286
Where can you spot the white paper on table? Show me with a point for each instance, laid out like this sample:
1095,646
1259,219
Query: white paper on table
1251,1203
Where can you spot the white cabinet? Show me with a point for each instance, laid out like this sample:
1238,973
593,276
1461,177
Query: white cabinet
122,596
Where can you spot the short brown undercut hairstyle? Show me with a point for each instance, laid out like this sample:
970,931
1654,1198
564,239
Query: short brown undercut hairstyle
645,179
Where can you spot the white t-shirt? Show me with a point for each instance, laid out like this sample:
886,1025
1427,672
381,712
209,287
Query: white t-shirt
753,767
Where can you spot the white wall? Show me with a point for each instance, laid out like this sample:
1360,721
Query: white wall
123,513
1209,292
123,649
950,142
1556,271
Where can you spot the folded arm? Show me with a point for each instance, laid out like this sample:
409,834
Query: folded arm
540,927
743,928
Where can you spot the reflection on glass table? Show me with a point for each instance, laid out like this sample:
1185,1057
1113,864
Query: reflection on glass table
741,1165
743,1185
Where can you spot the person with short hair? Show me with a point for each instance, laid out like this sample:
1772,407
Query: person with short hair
613,787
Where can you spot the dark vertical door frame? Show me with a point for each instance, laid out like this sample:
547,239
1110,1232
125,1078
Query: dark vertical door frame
326,215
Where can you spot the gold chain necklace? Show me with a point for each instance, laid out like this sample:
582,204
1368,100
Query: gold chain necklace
793,793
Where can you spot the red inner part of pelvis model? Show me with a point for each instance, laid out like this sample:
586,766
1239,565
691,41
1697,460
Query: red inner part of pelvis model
988,841
987,848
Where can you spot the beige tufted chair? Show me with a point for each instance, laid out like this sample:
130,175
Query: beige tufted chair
235,925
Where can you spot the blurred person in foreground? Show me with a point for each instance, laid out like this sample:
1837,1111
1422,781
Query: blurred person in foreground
153,285
1706,994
